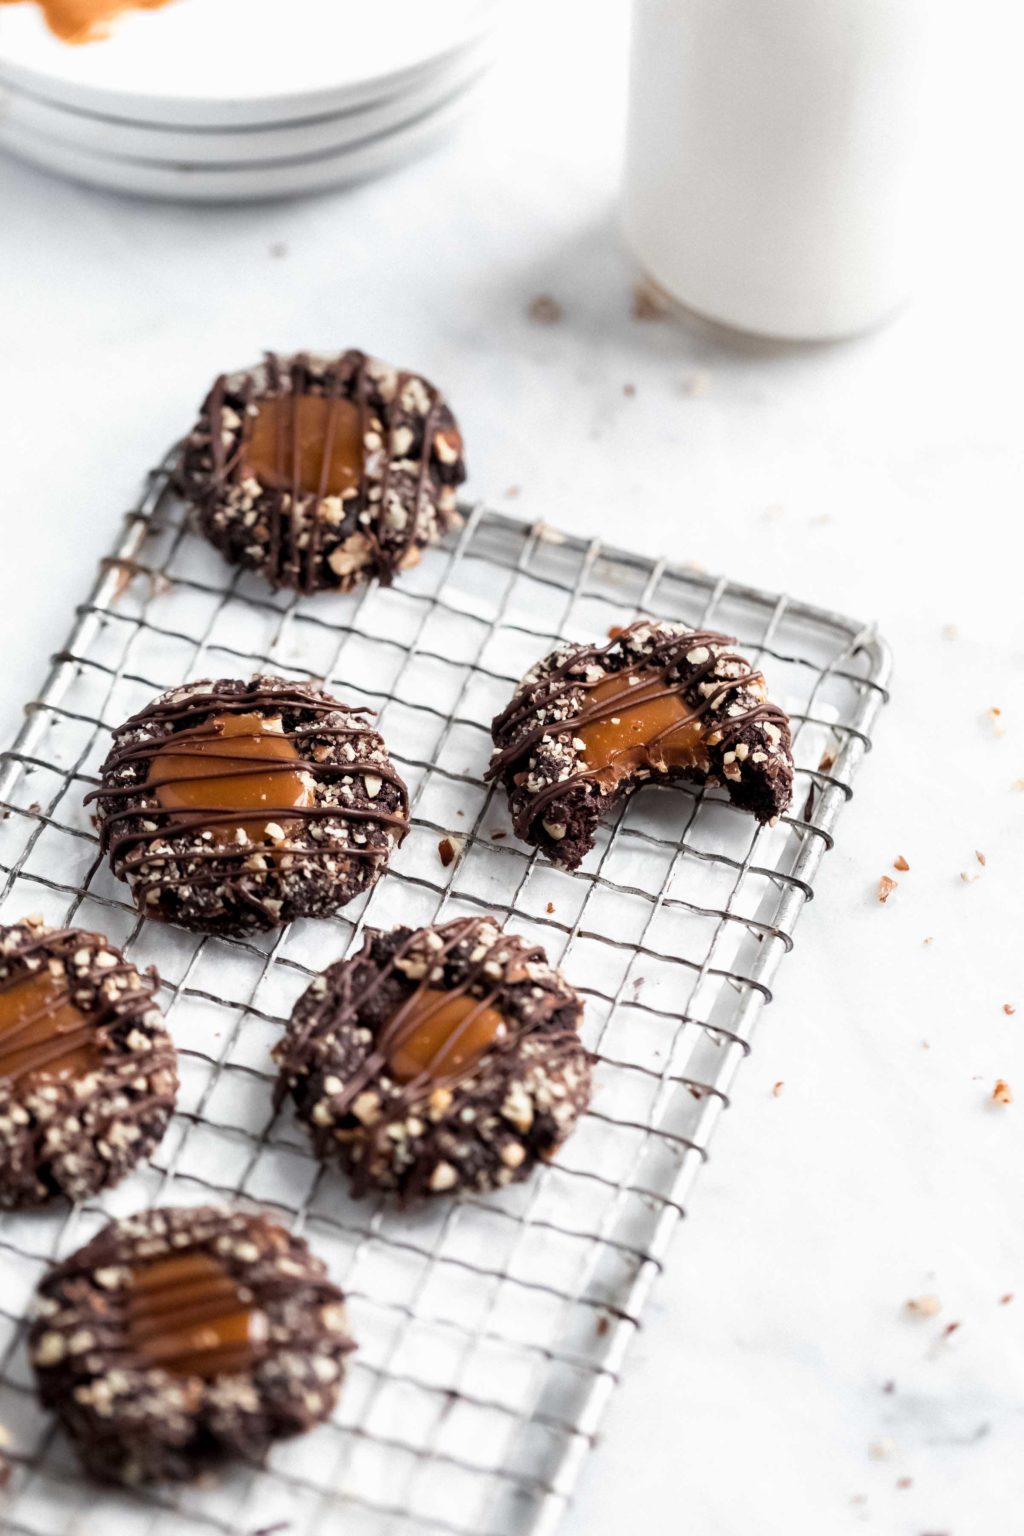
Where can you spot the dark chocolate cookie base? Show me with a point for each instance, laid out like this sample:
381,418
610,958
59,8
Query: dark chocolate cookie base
486,1130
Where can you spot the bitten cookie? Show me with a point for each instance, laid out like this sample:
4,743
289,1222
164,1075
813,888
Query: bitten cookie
230,806
437,1059
588,724
88,1073
323,471
181,1337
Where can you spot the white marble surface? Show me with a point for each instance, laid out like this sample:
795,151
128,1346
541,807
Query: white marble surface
882,477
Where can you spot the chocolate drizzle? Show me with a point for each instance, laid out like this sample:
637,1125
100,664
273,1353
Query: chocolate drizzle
199,846
289,534
467,958
694,665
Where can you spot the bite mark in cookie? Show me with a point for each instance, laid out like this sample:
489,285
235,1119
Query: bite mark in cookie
230,806
437,1059
588,724
88,1073
323,471
179,1338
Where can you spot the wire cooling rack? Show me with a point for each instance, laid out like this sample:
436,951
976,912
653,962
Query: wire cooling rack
490,1330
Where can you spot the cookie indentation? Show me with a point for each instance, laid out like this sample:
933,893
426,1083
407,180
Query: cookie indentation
205,774
41,1030
186,1314
437,1035
309,443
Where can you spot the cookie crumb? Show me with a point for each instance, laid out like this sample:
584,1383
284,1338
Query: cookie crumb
550,907
900,863
1004,1301
886,886
930,939
904,1482
545,310
447,850
1001,1092
980,858
1009,1009
777,1089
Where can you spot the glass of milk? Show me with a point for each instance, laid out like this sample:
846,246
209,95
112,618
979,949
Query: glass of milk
771,164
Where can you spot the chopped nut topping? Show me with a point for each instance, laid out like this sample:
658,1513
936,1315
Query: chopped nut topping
1001,1092
900,863
924,1306
886,886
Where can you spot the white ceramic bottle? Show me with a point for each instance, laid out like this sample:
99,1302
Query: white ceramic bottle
772,151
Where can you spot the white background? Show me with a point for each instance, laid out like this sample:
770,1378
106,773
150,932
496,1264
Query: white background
881,477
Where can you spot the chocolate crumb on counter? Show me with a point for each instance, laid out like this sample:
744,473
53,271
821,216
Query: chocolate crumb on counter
588,724
442,1059
179,1338
323,471
88,1073
230,806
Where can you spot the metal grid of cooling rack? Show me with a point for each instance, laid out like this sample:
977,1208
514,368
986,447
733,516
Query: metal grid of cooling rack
492,1330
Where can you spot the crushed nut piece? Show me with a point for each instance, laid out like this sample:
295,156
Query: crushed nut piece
886,886
900,863
544,309
1001,1092
776,1089
447,851
924,1306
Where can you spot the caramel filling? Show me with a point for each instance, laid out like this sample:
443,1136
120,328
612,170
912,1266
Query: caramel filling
83,21
311,439
206,774
441,1035
41,1030
644,724
187,1315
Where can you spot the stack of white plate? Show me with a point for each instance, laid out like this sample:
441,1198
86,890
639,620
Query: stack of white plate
227,100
